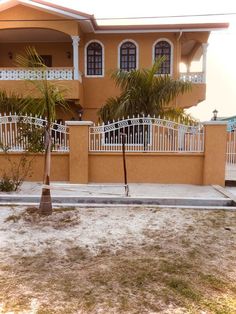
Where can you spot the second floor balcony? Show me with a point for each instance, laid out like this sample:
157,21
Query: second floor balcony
53,73
67,74
193,77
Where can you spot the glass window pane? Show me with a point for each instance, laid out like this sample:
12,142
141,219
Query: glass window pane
94,59
128,54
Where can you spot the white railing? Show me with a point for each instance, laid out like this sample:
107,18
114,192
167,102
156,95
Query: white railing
193,77
231,147
146,134
14,136
15,74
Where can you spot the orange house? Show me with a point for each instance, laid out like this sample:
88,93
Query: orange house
81,55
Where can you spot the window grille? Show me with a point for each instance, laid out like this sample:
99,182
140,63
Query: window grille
163,48
94,59
128,56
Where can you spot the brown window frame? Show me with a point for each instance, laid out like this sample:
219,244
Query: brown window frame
163,48
94,62
128,56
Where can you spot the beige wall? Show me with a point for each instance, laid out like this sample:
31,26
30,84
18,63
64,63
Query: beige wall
26,13
59,166
192,98
97,90
58,51
70,88
147,168
215,153
108,168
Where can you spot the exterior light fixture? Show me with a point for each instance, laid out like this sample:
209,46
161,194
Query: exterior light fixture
80,114
215,112
68,54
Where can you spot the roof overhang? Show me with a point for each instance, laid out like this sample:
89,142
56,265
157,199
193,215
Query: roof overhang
162,28
89,23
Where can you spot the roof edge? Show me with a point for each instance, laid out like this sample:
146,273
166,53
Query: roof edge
207,26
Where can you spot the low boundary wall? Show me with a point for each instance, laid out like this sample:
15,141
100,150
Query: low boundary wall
147,168
81,166
59,165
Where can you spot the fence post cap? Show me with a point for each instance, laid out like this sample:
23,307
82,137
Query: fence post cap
213,122
70,123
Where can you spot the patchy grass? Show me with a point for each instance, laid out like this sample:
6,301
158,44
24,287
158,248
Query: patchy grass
179,261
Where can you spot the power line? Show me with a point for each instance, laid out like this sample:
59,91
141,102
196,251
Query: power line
121,18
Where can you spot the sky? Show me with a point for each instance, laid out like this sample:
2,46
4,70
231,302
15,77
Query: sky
221,56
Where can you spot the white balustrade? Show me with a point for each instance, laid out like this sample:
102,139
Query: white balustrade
193,77
231,146
146,134
15,74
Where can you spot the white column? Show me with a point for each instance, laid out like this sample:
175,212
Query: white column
75,44
204,60
188,67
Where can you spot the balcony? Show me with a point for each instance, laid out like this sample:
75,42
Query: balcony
17,79
16,74
193,77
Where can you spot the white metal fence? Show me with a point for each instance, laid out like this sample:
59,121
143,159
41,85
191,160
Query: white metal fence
14,136
231,144
146,134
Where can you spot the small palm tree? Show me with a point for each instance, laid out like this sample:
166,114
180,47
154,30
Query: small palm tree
144,93
50,98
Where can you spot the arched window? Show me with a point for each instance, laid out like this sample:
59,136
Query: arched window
163,48
94,56
128,56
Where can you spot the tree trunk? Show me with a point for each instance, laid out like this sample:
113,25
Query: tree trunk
45,207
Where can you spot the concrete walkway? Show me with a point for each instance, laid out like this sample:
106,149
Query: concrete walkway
136,190
230,172
149,194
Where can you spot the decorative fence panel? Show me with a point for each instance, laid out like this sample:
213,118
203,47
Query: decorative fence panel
16,74
14,136
146,134
231,144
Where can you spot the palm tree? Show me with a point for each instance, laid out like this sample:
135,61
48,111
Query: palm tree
50,97
144,93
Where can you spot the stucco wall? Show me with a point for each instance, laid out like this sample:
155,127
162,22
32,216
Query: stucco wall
58,51
143,168
59,166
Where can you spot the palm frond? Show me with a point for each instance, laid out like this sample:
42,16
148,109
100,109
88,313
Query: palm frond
50,96
30,59
142,92
10,102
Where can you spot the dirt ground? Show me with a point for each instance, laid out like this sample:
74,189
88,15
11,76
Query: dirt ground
117,260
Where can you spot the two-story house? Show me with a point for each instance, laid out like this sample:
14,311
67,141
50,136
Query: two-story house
81,55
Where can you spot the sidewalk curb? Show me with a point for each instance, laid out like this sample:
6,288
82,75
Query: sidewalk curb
161,201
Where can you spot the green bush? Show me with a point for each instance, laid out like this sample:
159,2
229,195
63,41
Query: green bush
7,184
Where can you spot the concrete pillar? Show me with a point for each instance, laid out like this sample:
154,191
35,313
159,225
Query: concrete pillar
75,44
79,149
215,152
204,60
188,64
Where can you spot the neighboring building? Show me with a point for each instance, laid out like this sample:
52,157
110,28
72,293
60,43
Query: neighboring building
231,122
81,55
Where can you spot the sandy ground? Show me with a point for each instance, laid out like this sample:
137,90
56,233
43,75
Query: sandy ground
117,260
